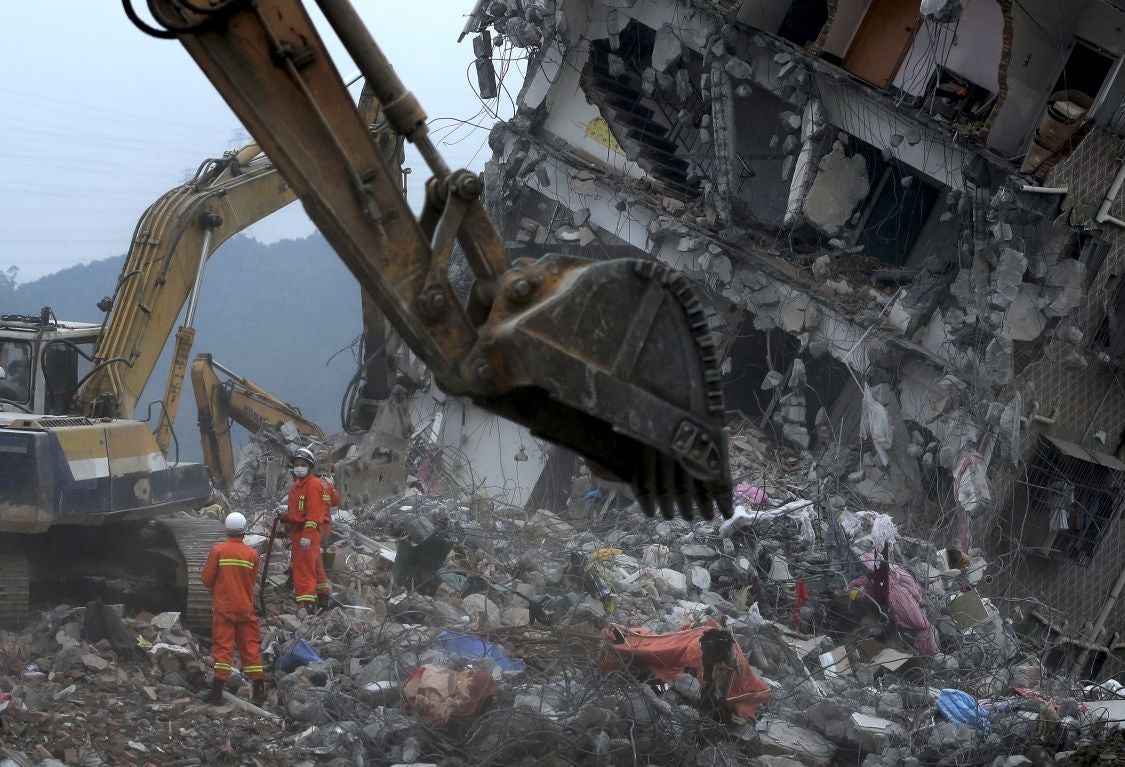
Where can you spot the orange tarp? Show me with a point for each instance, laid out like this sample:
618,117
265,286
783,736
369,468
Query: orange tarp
667,656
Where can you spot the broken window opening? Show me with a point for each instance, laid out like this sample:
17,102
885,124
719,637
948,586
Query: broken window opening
1085,71
754,355
656,117
937,481
1073,100
1108,341
1067,501
803,21
826,381
896,209
958,100
760,187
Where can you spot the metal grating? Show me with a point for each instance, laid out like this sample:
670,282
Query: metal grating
1074,496
55,422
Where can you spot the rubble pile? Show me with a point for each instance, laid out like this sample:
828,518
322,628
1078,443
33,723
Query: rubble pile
804,630
86,686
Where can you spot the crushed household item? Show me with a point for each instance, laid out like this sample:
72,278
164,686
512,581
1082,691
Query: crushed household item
437,694
470,647
301,654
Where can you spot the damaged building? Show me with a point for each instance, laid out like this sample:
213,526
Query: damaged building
901,217
904,218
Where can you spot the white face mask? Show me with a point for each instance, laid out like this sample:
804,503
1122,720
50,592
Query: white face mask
300,471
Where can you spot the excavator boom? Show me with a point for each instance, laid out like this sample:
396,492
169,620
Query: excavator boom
238,400
171,245
544,343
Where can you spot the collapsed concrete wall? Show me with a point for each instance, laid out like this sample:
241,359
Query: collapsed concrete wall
868,233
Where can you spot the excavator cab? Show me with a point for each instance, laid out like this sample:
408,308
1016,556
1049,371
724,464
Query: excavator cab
42,361
612,359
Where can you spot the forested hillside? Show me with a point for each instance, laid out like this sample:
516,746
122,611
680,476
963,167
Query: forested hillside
278,314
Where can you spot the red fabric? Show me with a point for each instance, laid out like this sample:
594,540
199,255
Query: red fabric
802,598
227,629
231,573
904,601
323,586
667,656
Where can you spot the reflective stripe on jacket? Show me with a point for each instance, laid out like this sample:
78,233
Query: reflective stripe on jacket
231,573
310,503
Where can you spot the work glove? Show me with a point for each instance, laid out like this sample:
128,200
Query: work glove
305,544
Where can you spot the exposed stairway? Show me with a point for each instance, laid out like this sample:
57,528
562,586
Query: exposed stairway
658,141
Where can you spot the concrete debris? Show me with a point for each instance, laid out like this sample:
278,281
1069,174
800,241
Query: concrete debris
730,625
667,48
840,184
880,366
886,317
738,69
1064,285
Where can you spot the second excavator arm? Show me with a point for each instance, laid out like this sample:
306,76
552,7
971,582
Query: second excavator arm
163,270
238,400
613,359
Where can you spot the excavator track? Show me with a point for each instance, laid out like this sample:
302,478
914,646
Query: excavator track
194,538
15,584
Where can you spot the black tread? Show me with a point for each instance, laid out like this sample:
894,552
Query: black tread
15,583
194,538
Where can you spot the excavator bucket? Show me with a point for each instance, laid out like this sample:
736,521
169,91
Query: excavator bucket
614,360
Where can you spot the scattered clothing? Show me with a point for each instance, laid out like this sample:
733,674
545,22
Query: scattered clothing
961,708
903,600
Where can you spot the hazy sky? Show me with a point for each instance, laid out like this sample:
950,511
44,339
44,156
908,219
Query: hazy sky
98,120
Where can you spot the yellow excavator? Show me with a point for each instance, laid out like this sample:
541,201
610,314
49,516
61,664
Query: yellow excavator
373,459
224,398
542,342
86,490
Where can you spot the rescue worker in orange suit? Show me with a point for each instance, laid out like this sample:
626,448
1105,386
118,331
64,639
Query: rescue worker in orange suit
331,498
230,573
309,506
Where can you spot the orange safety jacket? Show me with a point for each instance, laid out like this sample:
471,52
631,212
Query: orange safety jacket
331,498
310,504
231,573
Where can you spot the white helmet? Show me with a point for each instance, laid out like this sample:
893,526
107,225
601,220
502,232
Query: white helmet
304,454
235,523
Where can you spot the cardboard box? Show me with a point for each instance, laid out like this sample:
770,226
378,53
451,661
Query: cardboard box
969,610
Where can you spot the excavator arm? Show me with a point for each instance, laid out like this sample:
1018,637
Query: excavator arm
163,271
613,359
238,400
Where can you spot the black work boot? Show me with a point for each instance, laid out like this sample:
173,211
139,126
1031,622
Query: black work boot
323,602
215,696
258,696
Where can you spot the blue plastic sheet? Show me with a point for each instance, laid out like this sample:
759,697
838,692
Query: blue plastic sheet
961,708
302,654
470,647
